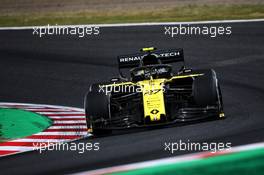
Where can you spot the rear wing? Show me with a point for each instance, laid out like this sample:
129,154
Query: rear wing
165,56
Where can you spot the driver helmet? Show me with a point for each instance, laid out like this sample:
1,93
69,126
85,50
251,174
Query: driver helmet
150,59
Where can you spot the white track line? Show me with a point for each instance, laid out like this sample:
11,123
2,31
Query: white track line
140,24
62,133
64,117
68,127
16,148
69,121
40,106
40,140
46,110
66,113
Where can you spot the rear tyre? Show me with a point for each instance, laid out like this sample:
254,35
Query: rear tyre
97,110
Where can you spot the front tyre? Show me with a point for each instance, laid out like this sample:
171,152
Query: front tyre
207,92
97,110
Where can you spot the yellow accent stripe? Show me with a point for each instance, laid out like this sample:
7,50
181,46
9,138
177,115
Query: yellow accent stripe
148,49
221,115
184,76
175,77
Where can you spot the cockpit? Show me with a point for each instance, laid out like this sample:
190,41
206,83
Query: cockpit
154,71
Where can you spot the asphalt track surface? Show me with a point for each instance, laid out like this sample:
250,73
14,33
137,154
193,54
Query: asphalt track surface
58,69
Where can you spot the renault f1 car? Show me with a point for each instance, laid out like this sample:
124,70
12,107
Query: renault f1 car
153,93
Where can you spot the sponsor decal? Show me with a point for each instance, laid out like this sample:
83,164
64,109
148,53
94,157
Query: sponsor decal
154,111
159,55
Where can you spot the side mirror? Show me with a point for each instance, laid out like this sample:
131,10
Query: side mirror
115,79
184,70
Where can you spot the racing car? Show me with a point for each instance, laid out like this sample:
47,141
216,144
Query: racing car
153,93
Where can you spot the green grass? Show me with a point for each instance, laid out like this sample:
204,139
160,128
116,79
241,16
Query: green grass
241,163
174,14
15,123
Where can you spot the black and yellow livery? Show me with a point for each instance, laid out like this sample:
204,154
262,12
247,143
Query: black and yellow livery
153,94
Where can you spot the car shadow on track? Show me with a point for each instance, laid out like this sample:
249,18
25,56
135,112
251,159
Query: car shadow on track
156,127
